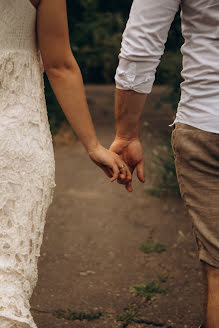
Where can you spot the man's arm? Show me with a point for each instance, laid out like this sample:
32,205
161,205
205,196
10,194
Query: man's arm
142,47
129,108
143,43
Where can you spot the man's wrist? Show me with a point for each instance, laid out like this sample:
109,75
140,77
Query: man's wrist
128,132
130,129
127,137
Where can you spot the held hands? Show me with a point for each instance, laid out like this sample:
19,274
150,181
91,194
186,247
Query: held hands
111,163
131,152
120,161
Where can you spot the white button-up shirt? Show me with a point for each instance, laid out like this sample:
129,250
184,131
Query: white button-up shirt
143,44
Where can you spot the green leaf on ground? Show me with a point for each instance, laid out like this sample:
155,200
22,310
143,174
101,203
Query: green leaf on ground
149,246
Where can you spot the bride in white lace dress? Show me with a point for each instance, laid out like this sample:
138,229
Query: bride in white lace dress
27,167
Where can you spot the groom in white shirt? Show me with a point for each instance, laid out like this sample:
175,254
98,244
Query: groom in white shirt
195,135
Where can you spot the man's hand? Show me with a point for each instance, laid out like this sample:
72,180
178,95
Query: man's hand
131,152
129,107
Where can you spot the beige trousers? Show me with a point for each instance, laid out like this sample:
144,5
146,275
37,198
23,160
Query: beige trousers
196,155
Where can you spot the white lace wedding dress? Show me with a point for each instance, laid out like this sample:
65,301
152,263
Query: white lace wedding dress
27,166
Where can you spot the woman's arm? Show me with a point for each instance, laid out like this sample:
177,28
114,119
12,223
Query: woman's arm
62,69
65,78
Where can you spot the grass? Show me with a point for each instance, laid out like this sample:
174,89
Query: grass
149,246
163,277
148,290
128,316
71,315
131,313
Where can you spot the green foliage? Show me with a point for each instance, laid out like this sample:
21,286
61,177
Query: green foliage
96,28
165,173
131,315
169,73
71,315
96,46
175,39
148,290
128,316
169,70
163,277
149,246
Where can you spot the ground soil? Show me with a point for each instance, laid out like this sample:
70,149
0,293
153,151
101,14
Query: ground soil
90,255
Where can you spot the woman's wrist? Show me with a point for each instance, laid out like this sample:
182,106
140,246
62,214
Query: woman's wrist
92,146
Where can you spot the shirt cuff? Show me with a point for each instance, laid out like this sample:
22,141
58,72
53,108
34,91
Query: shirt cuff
137,76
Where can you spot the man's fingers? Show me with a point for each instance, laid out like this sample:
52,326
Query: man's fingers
128,187
129,174
141,171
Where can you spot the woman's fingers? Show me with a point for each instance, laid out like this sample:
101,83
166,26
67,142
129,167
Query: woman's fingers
123,171
115,168
119,181
107,171
115,172
125,175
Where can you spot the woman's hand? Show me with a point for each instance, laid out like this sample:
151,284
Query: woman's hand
111,163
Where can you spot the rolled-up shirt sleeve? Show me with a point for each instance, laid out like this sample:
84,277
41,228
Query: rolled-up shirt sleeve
143,43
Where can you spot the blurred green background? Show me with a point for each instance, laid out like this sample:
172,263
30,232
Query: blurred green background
95,28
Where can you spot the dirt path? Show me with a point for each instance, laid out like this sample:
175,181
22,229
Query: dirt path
90,255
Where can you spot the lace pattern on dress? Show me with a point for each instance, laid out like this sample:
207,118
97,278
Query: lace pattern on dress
27,181
27,165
